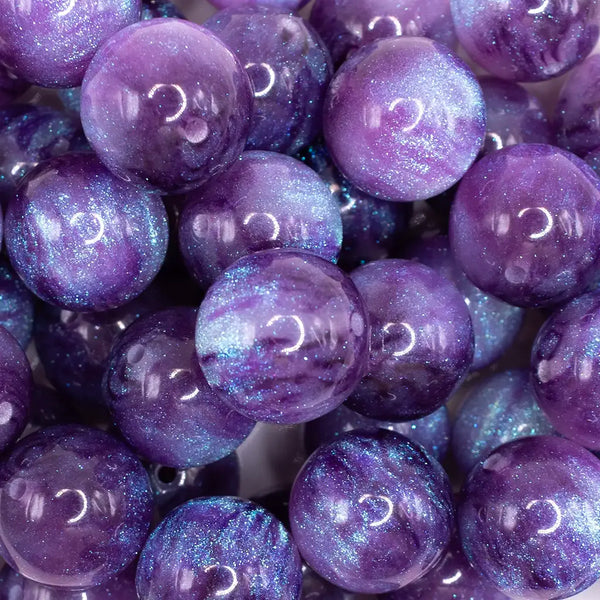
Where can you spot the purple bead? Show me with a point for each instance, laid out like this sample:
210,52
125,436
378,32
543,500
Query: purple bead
265,200
290,69
529,518
527,40
421,340
284,5
525,225
159,398
166,102
11,87
81,238
76,507
404,119
16,305
216,547
52,43
371,511
282,336
593,160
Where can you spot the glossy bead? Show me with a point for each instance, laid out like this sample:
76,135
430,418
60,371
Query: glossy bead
282,336
11,87
219,546
525,225
189,99
83,239
290,69
371,511
285,5
265,200
525,40
404,119
16,305
529,515
85,500
52,43
421,340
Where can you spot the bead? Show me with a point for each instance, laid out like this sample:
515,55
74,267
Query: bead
71,99
525,40
593,160
371,511
525,225
219,547
265,200
16,305
290,69
83,239
159,398
421,340
52,43
529,515
11,87
284,5
282,336
501,408
189,100
404,119
85,500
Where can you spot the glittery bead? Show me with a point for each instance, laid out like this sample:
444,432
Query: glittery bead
16,305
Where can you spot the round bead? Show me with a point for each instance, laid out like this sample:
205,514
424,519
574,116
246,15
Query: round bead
525,225
527,40
219,547
421,340
265,200
371,512
83,239
282,335
16,305
187,104
84,499
529,518
286,5
404,119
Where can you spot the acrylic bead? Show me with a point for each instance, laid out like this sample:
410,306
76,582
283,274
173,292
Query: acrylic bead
16,305
284,5
282,336
529,515
371,511
216,547
187,106
525,225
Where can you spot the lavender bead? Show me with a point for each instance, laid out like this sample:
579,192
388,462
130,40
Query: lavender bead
16,305
525,225
52,43
189,100
92,507
421,340
282,336
404,119
290,69
525,40
11,87
265,200
284,5
529,518
219,546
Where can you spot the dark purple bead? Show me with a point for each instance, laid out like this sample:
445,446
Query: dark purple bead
371,511
314,587
156,9
290,69
265,200
525,225
216,547
16,305
11,87
421,340
76,507
529,517
166,102
282,335
286,5
527,40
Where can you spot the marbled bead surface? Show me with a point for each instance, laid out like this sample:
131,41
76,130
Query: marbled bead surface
16,305
284,5
189,99
52,43
421,340
11,87
216,547
525,225
282,336
85,500
529,518
81,238
289,67
371,512
264,200
404,119
527,40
